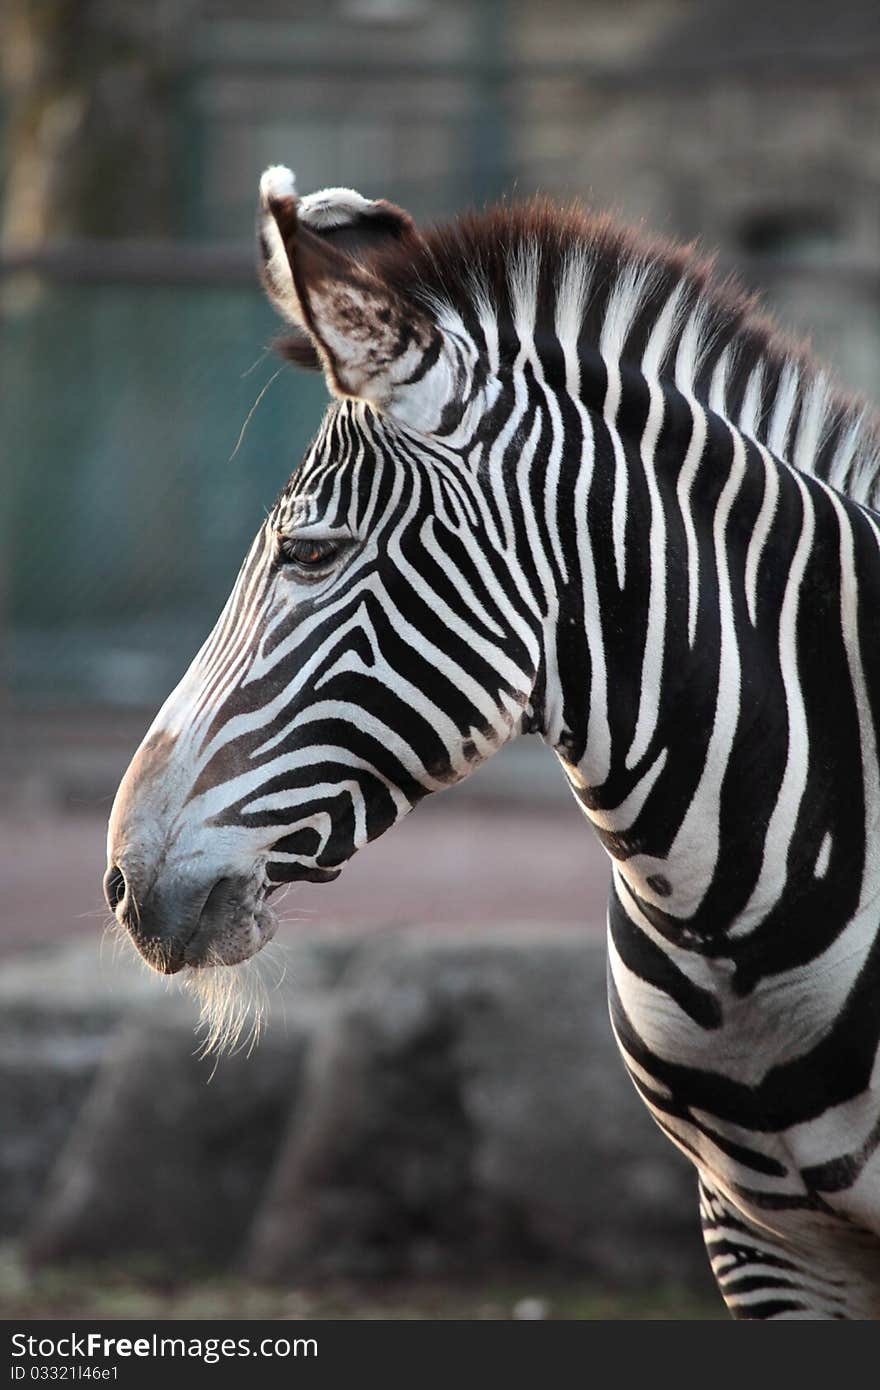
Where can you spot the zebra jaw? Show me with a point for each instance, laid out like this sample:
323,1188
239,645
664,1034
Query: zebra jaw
245,930
233,924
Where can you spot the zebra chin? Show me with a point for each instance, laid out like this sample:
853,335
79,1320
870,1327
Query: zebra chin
177,925
247,926
229,941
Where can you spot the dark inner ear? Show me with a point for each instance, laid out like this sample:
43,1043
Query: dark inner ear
357,240
300,350
371,232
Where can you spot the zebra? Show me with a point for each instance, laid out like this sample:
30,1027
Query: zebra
572,484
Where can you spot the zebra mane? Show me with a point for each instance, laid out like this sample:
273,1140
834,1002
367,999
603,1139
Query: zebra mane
573,278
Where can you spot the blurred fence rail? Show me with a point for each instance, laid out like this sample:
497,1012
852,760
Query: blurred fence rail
234,263
134,262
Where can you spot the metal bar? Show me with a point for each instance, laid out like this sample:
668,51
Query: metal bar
708,69
135,262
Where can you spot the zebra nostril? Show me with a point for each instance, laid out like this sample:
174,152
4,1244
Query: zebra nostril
115,887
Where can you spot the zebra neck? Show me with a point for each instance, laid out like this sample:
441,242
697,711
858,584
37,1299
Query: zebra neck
707,577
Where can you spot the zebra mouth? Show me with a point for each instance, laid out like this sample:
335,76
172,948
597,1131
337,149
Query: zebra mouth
234,926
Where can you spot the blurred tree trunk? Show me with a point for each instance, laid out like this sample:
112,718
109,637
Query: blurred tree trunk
90,106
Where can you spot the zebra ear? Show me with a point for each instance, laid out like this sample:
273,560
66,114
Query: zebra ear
373,344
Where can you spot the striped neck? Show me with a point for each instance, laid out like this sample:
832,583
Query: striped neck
699,575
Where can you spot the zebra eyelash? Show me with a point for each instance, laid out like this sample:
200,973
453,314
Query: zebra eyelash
311,557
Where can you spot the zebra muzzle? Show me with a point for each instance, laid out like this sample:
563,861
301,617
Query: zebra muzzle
191,924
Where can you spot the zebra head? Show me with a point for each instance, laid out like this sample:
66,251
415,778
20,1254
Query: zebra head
377,645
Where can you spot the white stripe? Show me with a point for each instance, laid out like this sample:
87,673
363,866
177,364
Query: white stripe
622,308
655,634
823,858
772,876
758,540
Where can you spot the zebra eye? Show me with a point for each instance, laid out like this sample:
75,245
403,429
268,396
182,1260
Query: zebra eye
309,555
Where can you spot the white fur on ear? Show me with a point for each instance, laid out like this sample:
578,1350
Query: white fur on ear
334,207
277,182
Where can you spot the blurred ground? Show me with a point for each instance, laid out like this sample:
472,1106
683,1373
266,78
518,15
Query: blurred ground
81,1291
509,845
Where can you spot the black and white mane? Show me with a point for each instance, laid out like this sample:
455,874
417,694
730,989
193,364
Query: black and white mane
562,273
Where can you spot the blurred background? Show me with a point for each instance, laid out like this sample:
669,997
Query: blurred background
145,429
